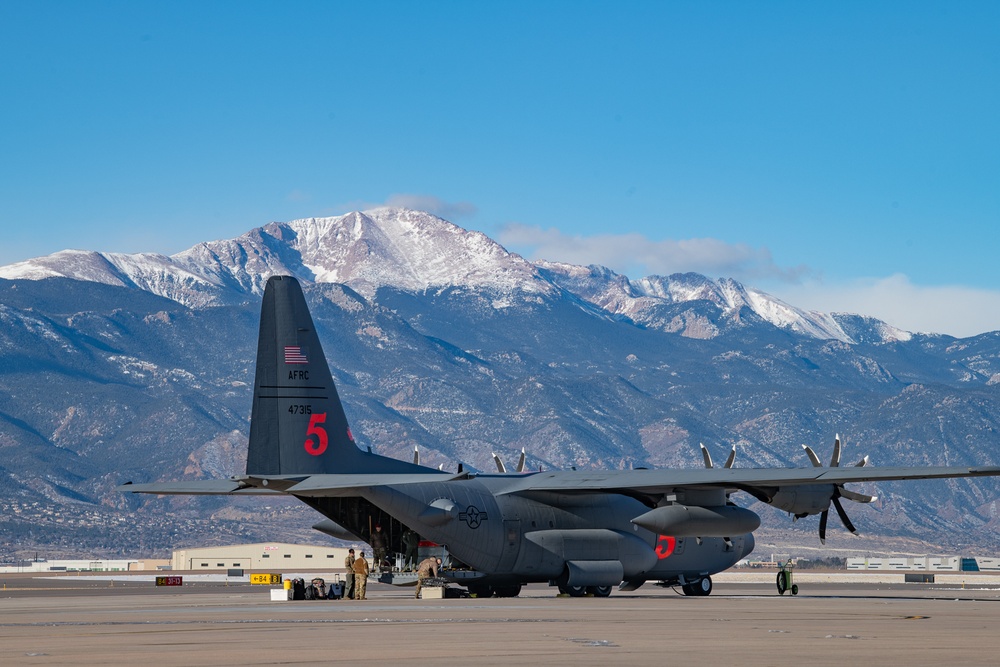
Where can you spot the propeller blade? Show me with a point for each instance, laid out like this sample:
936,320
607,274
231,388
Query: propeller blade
812,456
856,497
731,459
520,461
705,455
500,465
835,459
416,455
843,515
822,525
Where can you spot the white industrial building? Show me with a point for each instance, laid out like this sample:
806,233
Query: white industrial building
926,564
264,556
83,565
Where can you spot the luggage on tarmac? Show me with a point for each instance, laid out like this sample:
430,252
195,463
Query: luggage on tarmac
316,590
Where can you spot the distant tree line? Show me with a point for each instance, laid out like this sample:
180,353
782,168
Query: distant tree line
831,563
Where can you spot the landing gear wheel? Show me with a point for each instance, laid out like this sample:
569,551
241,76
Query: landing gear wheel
599,591
573,591
701,587
508,591
482,590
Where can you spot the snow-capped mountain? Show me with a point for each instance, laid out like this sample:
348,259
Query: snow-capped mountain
400,248
415,251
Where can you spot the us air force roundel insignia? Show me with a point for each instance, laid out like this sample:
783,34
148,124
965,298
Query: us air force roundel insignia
472,516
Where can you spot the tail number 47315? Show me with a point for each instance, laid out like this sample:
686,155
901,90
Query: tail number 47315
316,437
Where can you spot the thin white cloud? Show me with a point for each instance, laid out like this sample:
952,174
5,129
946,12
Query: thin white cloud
428,203
432,204
636,255
949,309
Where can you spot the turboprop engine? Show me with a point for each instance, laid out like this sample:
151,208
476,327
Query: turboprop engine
695,521
801,501
804,500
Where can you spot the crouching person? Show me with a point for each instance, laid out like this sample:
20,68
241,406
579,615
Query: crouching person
428,567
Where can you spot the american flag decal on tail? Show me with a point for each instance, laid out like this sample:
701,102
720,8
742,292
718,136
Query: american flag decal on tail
295,355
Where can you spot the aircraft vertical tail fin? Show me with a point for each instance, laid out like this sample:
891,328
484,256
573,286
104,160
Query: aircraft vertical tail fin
298,425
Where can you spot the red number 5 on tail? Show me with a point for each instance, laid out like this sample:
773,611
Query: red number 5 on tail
318,446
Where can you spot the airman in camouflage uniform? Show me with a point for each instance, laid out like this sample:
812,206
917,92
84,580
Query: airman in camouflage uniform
427,567
360,568
349,577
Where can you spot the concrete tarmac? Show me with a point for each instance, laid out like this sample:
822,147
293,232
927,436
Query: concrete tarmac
89,621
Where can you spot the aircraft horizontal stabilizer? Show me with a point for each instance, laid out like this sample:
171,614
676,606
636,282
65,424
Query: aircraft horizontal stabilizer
199,487
334,529
320,486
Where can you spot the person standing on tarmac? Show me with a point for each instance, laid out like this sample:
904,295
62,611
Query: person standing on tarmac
378,542
349,577
360,568
427,567
410,542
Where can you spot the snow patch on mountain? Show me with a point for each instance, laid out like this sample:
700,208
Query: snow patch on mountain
76,264
785,316
409,250
643,300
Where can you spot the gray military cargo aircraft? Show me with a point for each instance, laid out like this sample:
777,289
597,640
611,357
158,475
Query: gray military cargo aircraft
584,531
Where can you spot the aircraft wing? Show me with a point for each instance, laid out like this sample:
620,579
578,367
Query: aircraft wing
569,481
660,481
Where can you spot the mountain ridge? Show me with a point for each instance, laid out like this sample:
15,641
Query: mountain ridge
416,251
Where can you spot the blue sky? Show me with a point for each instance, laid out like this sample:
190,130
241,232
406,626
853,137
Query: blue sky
843,156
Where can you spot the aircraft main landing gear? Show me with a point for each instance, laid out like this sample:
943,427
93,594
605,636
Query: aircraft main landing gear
701,587
580,591
507,591
499,590
573,591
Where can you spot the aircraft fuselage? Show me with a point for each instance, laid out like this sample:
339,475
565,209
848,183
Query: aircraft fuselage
573,539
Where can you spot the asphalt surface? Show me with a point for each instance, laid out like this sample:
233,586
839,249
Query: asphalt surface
89,621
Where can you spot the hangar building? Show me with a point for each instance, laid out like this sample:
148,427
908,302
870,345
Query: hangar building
271,556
